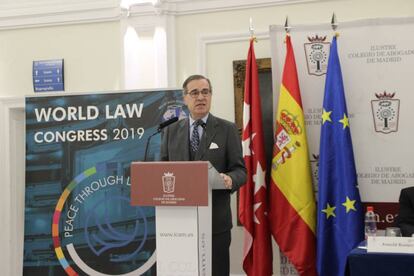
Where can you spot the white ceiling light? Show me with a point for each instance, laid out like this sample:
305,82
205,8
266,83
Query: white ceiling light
128,3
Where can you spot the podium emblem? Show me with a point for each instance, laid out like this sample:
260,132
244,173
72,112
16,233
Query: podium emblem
168,182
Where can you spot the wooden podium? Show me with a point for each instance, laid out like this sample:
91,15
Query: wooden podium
181,194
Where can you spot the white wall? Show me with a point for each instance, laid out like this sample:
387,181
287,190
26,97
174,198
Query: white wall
92,55
213,31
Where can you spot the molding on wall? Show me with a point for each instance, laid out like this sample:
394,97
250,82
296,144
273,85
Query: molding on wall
203,41
12,236
184,7
29,13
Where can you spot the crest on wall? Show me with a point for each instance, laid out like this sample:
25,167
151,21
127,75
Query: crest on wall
385,111
317,53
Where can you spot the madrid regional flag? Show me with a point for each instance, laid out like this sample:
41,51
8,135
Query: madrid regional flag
253,206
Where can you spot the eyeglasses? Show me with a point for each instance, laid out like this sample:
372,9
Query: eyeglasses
195,93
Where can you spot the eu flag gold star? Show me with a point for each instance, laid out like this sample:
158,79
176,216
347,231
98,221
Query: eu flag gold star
344,121
326,116
349,204
329,211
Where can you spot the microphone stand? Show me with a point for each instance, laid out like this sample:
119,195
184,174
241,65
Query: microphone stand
147,145
160,127
203,126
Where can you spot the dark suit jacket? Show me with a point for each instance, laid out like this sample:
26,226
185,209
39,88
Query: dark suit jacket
227,158
406,215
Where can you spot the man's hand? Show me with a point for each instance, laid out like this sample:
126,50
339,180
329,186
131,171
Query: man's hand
228,182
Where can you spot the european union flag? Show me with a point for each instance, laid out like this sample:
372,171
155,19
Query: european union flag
340,225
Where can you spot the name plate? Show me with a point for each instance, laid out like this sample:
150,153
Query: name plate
390,244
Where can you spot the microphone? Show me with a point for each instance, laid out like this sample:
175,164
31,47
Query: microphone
167,123
160,127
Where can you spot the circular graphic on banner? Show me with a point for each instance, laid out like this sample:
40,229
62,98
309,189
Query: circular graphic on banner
99,231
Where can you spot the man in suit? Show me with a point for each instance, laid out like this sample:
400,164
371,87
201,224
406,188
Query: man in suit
203,136
405,217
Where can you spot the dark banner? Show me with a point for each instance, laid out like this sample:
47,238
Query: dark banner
78,217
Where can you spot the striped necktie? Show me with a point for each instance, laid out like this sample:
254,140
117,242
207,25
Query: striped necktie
195,138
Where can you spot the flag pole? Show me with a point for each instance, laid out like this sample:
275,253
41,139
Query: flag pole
334,24
287,26
251,30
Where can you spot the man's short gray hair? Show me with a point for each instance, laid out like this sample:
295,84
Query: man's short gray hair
195,77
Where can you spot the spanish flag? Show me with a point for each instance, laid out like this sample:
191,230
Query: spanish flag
292,204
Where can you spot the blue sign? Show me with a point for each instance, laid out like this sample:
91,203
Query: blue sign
78,217
48,75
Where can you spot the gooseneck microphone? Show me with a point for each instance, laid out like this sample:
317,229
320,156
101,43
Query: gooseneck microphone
166,123
160,127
